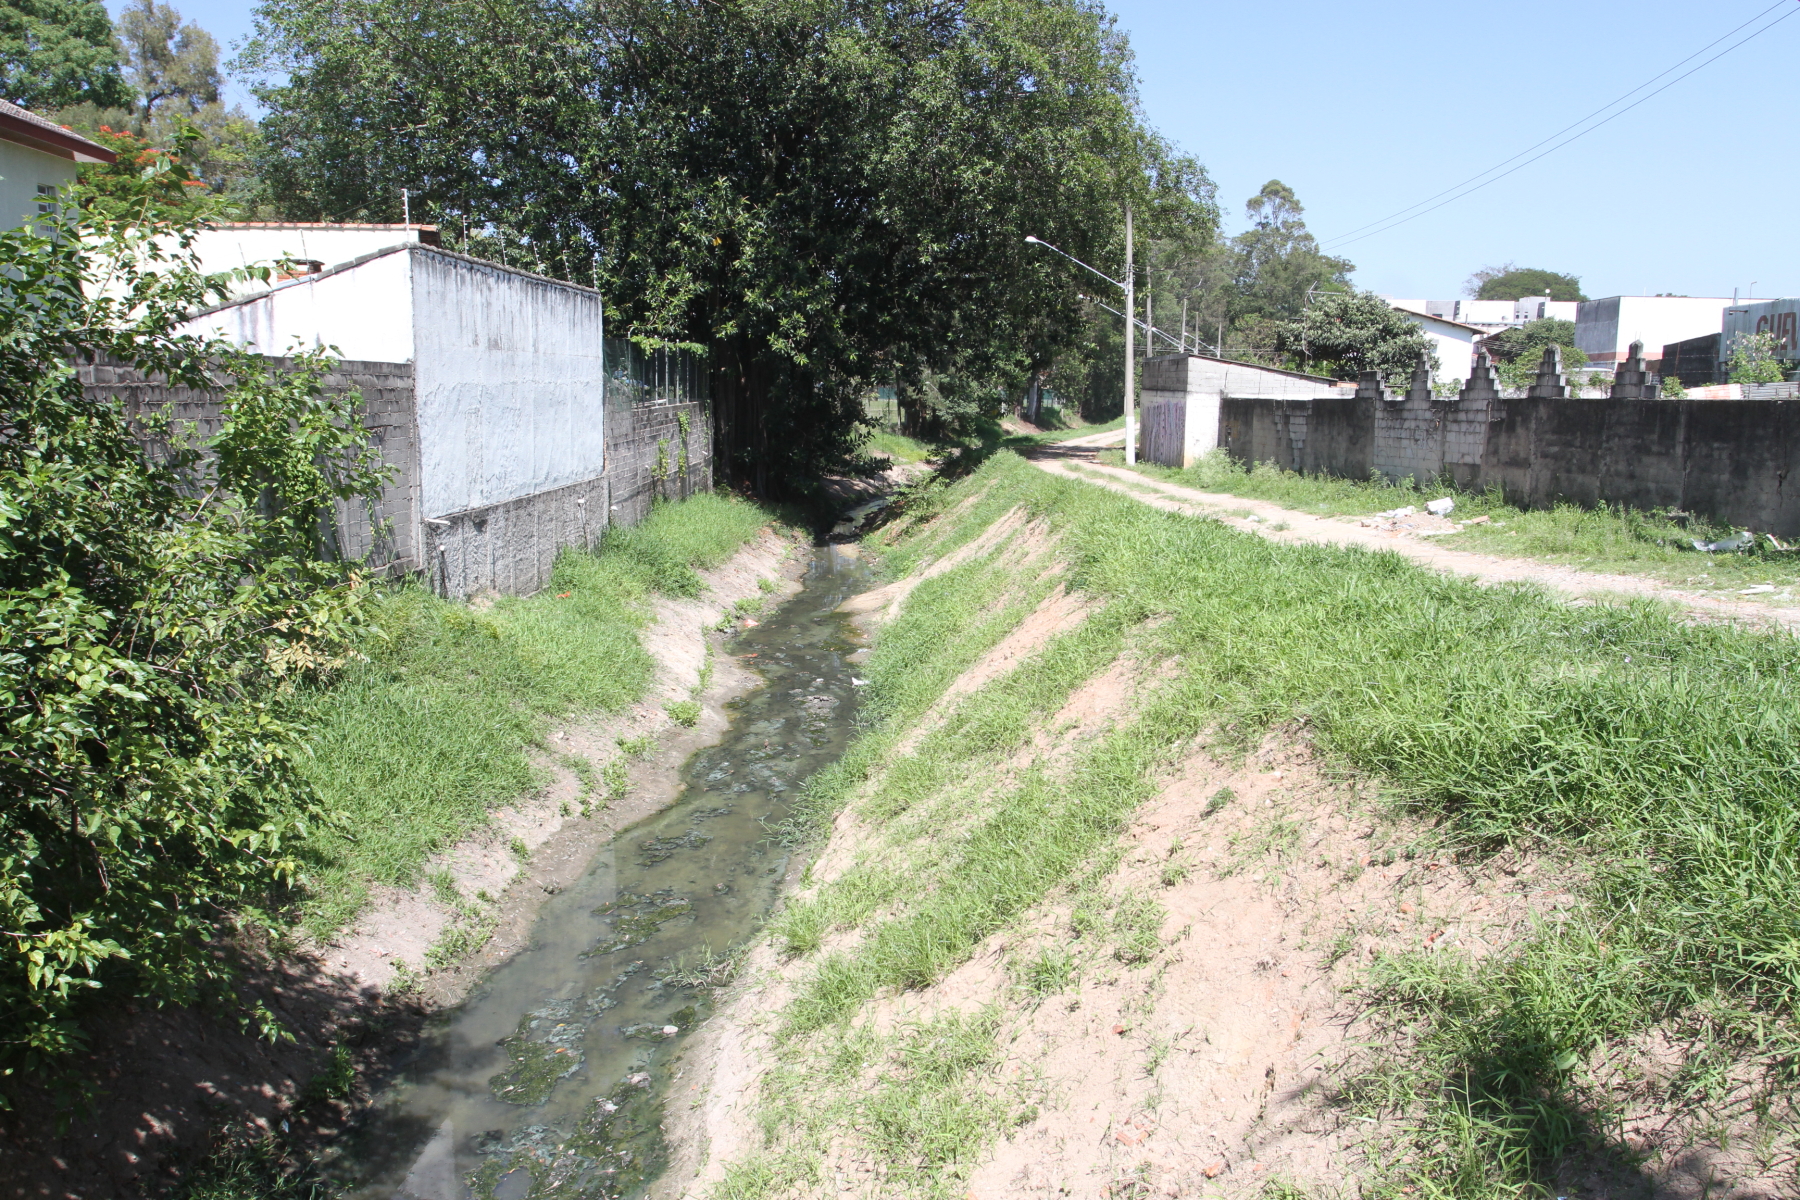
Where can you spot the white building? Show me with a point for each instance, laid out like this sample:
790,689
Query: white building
1452,341
1490,316
307,246
37,157
1605,329
508,368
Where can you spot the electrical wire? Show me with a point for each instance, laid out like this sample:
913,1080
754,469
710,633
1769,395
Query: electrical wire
1394,220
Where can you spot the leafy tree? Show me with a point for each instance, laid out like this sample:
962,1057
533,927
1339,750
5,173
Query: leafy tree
1277,263
59,52
166,60
175,68
1508,282
1755,358
1518,352
1347,333
822,195
152,609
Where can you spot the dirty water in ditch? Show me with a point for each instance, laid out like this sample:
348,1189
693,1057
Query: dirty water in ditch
549,1081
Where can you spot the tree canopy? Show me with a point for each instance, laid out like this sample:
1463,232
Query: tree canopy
59,52
821,194
1346,333
173,68
1508,282
167,60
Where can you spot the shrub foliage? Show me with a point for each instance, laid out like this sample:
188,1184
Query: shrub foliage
153,606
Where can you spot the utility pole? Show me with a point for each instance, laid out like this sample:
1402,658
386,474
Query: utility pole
1149,312
1130,355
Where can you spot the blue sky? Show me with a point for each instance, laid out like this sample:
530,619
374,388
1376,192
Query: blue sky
1366,108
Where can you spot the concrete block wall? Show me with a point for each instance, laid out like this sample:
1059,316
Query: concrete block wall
510,546
386,535
1422,436
1727,459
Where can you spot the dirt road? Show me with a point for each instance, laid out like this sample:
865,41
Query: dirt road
1077,459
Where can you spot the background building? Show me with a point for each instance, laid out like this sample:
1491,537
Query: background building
1490,316
37,157
1605,329
1779,317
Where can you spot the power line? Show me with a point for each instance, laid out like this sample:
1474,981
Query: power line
1394,220
1582,121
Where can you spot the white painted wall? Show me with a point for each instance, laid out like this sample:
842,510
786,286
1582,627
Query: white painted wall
230,246
1453,344
22,169
365,312
508,369
510,383
1605,328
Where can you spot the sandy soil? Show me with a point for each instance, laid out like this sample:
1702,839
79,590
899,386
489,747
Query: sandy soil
1410,538
1210,1067
174,1081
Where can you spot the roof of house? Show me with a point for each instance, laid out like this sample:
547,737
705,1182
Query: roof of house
428,234
28,129
1483,330
371,256
1235,362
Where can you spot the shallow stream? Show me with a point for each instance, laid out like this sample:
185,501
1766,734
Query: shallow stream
550,1079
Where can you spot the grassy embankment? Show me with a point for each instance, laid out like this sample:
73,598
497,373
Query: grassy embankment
415,746
1662,760
1059,426
1613,538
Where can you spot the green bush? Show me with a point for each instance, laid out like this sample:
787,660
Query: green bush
414,744
152,613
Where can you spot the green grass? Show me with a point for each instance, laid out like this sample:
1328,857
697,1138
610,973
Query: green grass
1602,539
899,447
412,748
1663,758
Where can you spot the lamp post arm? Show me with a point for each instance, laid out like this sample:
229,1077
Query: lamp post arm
1038,241
1138,321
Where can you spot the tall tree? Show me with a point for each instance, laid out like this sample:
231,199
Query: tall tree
167,60
59,52
174,66
1277,262
820,192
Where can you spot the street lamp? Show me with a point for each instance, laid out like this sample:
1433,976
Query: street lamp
1130,332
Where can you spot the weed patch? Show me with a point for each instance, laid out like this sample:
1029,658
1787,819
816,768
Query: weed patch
413,746
1665,757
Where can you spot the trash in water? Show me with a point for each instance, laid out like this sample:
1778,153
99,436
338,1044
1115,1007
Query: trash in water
855,682
1441,508
1742,540
1757,590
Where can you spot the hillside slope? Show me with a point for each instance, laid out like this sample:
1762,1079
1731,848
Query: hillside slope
1172,861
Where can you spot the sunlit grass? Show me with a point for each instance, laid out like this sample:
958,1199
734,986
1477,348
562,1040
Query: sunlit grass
412,748
1665,757
1606,538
